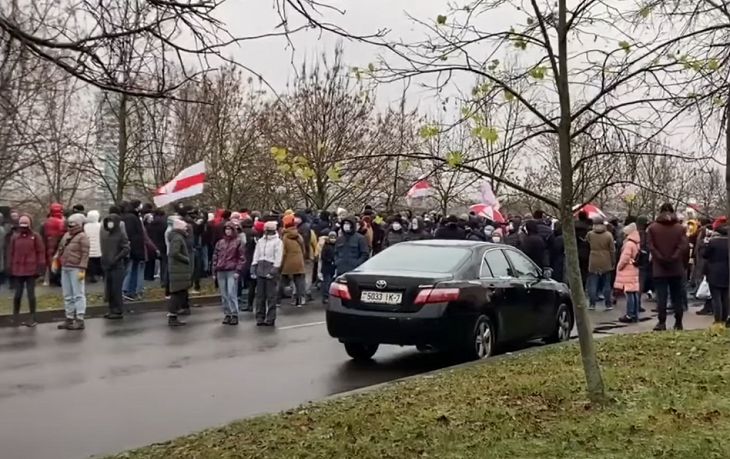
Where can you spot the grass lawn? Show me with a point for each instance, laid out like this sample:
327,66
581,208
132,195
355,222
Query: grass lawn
670,396
54,300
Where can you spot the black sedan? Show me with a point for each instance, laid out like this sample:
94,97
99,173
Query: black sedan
472,297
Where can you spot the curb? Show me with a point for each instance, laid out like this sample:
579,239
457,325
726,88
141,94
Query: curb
54,315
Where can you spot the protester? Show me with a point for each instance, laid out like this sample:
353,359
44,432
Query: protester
557,253
200,259
73,256
327,263
228,263
582,227
292,265
450,229
265,268
717,272
417,231
251,237
92,229
351,248
156,231
134,275
53,230
395,234
667,242
627,273
534,246
114,252
600,264
180,270
26,261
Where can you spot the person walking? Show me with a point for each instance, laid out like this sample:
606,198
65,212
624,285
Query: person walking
627,273
228,264
668,245
327,264
156,232
292,265
180,270
92,228
600,264
351,248
114,253
73,256
717,272
267,260
26,261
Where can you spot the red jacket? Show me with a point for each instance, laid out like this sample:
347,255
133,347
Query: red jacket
26,254
53,230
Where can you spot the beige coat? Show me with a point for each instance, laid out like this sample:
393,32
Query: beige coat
293,253
603,250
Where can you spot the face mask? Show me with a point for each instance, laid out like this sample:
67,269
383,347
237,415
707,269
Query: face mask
396,226
109,225
199,221
347,227
332,240
270,232
414,225
229,232
496,238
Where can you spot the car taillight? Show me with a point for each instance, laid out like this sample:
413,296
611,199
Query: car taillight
338,290
437,295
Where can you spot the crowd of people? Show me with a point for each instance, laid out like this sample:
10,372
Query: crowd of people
268,255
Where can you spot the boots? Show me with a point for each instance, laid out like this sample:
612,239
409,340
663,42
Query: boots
234,320
77,324
661,326
173,321
227,320
66,324
678,325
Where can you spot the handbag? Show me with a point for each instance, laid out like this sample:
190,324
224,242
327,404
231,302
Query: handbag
703,291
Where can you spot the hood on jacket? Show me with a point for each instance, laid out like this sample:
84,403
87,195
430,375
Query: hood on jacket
114,218
233,226
29,221
92,216
599,228
667,218
291,233
56,210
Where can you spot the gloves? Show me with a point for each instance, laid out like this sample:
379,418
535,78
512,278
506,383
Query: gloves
82,275
253,275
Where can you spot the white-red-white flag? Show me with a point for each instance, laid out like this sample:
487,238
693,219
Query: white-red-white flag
488,196
420,189
189,182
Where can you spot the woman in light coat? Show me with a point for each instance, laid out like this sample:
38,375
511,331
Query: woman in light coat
92,228
627,273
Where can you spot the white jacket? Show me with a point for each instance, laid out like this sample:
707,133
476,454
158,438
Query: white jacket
92,229
269,249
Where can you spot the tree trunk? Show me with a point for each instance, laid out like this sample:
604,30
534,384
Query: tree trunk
121,171
594,379
727,163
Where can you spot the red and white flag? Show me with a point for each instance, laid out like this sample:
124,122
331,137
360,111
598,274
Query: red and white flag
187,183
487,195
420,189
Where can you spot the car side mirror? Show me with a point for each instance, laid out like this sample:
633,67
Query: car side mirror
547,273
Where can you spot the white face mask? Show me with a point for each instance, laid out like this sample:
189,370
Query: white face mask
496,238
109,225
414,224
396,226
346,227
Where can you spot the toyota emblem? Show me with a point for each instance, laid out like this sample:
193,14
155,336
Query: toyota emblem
381,284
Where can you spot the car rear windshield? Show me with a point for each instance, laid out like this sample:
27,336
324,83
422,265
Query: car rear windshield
424,258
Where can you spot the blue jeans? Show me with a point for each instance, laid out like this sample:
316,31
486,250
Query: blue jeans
74,293
134,278
595,281
633,304
326,282
228,285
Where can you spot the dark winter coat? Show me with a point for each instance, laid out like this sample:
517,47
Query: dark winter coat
582,228
378,238
179,263
26,254
514,239
668,245
557,257
716,262
419,235
250,247
533,245
451,231
229,255
394,237
305,230
327,258
114,244
135,233
156,231
351,250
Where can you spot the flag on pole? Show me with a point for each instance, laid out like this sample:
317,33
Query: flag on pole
488,196
420,189
187,183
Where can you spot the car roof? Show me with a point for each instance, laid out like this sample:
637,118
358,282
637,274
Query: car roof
453,243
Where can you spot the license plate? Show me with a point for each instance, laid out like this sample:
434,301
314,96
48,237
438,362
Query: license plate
381,297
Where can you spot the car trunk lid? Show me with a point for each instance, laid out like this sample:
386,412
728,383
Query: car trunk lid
389,290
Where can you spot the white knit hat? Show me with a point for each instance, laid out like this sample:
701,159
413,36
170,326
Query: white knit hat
270,226
76,220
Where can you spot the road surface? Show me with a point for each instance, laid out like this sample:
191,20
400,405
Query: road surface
119,385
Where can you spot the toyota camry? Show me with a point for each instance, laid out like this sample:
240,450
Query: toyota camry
472,297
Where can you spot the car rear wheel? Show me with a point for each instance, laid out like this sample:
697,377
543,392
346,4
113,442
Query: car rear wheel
361,352
563,325
481,342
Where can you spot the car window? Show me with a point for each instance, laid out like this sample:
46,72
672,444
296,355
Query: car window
497,264
484,271
424,258
524,267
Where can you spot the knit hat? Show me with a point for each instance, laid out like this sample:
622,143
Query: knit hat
288,221
24,221
76,220
179,224
259,226
270,226
235,216
628,229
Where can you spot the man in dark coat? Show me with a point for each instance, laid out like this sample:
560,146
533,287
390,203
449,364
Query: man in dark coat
533,245
557,254
582,227
156,231
351,249
717,272
667,241
451,230
114,252
133,278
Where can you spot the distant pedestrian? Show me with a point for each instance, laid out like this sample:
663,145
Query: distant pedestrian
73,256
92,228
114,253
327,263
228,264
180,269
717,273
292,265
265,268
351,249
627,273
600,264
26,262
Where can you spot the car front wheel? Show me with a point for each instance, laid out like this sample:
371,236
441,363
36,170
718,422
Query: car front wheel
361,352
563,325
482,342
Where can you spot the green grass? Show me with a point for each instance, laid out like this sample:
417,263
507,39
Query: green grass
54,299
669,392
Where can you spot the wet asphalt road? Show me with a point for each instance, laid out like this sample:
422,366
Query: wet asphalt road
119,385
